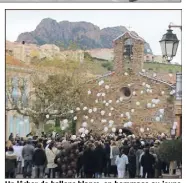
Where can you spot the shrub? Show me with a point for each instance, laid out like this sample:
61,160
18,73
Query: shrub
171,150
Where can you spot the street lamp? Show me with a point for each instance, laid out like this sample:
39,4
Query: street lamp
169,45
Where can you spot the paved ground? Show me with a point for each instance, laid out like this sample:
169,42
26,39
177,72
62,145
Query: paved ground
89,1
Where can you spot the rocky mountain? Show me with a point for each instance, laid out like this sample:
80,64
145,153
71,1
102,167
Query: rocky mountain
67,34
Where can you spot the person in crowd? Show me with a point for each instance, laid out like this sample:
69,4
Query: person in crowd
89,161
100,157
51,153
107,159
155,172
11,137
147,162
10,163
39,161
138,156
114,152
18,148
132,163
121,163
27,155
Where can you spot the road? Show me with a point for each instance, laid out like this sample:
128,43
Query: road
89,1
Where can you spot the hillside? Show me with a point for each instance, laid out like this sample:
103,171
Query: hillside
73,35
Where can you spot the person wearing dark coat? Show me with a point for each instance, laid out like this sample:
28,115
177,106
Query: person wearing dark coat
39,161
125,148
107,160
79,164
10,163
132,163
147,162
89,161
99,159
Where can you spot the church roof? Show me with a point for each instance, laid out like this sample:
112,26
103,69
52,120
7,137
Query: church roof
132,34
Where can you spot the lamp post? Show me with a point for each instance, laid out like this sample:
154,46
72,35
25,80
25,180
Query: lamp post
169,45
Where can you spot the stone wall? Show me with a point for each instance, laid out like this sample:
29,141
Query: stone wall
135,61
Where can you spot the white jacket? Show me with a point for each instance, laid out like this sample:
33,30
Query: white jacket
51,154
121,162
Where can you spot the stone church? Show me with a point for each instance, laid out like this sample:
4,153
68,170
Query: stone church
129,94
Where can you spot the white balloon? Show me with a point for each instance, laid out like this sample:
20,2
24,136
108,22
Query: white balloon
84,108
90,110
104,101
107,87
106,129
83,135
175,123
110,114
126,74
65,121
161,111
153,105
141,92
132,110
120,130
47,116
174,127
110,101
77,109
62,128
103,94
107,104
170,75
142,130
92,120
111,108
111,122
129,85
86,131
162,92
158,118
133,136
147,129
161,116
75,117
84,124
125,125
103,120
137,103
129,117
121,99
143,70
129,124
134,93
122,115
96,101
71,111
150,90
94,109
89,92
143,83
149,105
86,117
113,130
110,125
81,130
102,113
154,75
127,114
73,137
98,94
117,101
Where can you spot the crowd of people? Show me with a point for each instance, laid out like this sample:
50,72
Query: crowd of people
93,156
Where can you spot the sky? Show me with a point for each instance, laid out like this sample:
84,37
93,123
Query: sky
149,24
